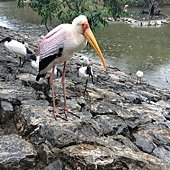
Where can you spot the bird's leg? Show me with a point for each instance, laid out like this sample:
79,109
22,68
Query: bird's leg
20,62
24,61
85,90
51,81
140,80
64,93
64,90
52,90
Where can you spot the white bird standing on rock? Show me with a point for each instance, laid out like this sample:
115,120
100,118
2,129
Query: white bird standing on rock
59,45
125,8
83,60
18,49
35,64
139,75
85,73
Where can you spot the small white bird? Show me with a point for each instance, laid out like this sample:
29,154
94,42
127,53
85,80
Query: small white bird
139,75
85,73
125,8
18,49
35,64
83,60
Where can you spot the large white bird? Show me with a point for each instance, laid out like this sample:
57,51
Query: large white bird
18,49
85,73
58,47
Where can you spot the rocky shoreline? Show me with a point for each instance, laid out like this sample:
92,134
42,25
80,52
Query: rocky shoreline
123,125
142,20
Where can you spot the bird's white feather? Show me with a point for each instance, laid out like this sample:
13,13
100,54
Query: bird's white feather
139,74
83,60
16,47
35,64
68,36
82,72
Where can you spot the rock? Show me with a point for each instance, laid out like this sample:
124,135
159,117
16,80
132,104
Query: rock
131,97
162,153
165,104
111,124
72,103
81,101
100,157
6,111
15,93
143,144
102,108
118,124
56,165
140,20
16,153
28,80
150,96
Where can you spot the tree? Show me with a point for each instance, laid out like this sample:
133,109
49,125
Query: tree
153,7
65,10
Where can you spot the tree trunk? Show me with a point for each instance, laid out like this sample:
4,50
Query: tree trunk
153,7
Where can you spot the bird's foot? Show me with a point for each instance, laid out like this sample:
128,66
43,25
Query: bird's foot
57,114
85,92
19,65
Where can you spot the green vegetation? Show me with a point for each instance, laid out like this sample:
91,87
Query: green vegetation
65,10
96,10
142,2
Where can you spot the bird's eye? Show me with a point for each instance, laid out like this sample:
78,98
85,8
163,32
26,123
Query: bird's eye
83,25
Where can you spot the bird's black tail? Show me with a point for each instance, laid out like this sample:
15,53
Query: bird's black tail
39,76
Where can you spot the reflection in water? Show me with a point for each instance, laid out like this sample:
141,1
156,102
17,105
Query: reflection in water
128,48
137,48
19,19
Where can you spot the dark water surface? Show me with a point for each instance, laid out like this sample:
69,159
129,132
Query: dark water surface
128,48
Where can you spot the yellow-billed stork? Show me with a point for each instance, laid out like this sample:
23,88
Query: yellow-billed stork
18,49
58,47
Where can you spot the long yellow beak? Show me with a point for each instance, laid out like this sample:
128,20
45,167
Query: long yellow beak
92,40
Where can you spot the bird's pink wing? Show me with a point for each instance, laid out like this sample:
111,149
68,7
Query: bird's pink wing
52,42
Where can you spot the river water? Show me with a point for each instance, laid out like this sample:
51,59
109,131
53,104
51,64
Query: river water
128,48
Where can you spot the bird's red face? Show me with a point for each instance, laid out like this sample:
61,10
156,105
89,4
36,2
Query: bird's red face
85,26
92,41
